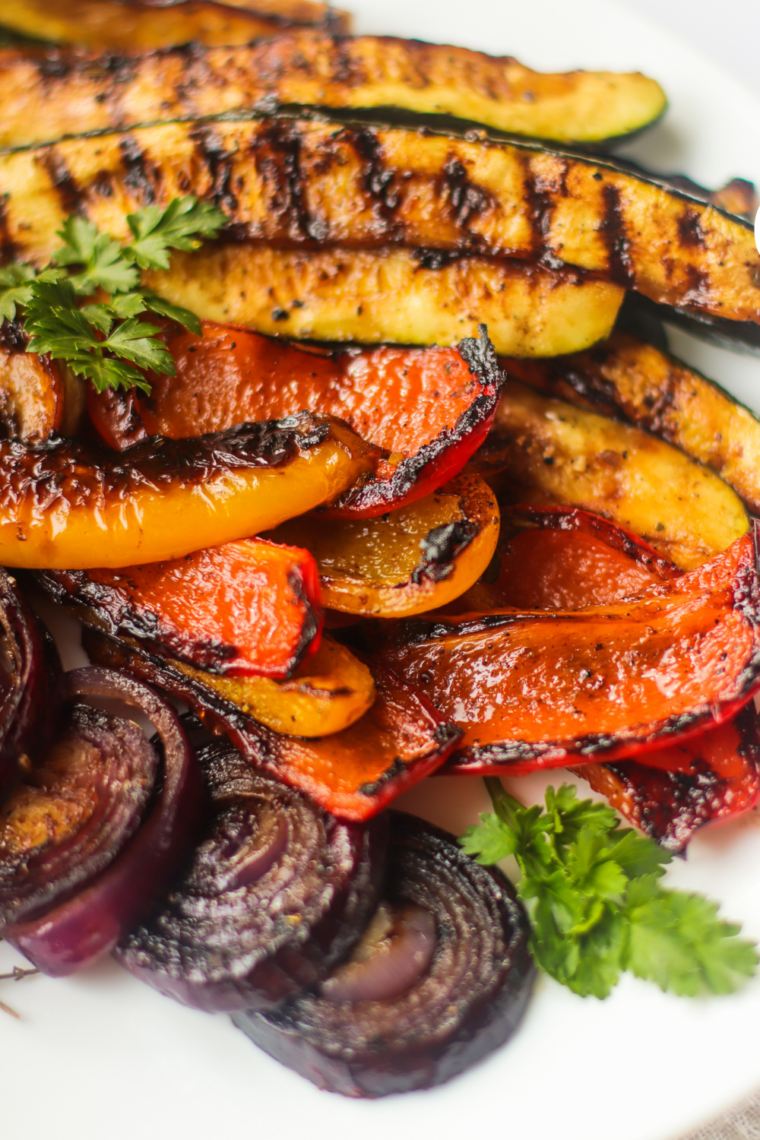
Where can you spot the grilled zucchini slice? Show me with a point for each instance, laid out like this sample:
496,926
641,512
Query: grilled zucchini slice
654,391
545,451
125,25
306,184
581,107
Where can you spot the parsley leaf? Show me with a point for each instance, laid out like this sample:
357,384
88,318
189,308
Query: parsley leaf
103,339
593,894
15,289
101,261
182,225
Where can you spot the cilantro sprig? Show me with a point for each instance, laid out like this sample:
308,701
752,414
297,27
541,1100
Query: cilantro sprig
596,904
85,307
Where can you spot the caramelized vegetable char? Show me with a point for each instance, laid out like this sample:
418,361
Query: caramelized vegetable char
248,607
672,792
404,1014
39,103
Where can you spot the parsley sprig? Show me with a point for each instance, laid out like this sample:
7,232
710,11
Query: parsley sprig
85,307
597,907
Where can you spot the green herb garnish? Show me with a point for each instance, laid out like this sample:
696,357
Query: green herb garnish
597,907
84,309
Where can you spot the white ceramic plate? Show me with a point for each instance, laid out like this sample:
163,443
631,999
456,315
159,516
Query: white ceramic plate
101,1055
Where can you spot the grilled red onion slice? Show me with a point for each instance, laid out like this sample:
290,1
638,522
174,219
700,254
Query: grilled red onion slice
276,896
78,931
72,815
30,685
403,1014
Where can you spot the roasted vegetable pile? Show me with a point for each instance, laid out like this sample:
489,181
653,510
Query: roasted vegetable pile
330,406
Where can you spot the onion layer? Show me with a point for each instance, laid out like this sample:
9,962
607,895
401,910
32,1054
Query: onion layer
78,931
74,813
402,1015
276,896
30,681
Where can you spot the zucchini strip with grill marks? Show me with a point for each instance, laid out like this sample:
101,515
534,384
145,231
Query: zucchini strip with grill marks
72,505
40,104
628,378
393,296
545,451
315,184
124,25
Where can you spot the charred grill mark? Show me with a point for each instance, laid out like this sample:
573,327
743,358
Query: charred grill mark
466,199
436,258
698,292
139,176
277,155
211,152
377,179
346,67
440,549
396,769
311,622
690,230
12,336
55,65
70,194
102,186
612,231
540,204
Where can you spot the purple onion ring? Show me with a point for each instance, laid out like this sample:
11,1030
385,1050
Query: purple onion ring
77,932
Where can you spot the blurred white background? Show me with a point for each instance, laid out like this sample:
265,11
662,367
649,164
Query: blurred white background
728,31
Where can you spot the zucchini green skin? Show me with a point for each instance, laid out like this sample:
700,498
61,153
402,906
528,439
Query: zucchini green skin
648,388
307,184
544,451
40,102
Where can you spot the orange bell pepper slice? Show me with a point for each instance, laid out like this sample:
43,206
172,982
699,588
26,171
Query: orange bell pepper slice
354,774
545,688
248,608
72,505
429,409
